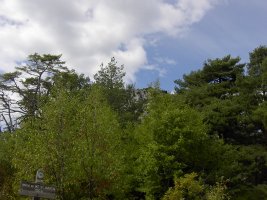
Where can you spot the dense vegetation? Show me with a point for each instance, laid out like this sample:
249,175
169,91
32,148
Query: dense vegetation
104,139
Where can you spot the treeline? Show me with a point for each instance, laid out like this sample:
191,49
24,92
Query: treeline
104,139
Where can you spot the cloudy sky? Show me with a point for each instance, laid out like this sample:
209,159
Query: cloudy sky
154,39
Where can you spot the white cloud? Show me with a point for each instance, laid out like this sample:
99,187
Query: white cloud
89,32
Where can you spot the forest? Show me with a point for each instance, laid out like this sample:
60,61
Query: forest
100,138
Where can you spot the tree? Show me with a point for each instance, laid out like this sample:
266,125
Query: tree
194,79
7,170
257,56
172,139
232,121
98,146
257,73
217,76
191,187
30,85
185,187
252,92
71,82
219,90
111,76
123,99
76,142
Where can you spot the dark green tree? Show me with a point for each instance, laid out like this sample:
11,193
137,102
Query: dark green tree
111,76
252,94
30,85
214,90
124,99
218,77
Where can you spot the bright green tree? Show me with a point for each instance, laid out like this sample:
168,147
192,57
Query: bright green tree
191,187
76,143
172,139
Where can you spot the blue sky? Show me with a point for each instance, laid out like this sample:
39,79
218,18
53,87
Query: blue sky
154,39
236,27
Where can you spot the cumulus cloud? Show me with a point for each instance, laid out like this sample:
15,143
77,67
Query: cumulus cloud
89,32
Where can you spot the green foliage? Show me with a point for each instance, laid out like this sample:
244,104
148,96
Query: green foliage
218,75
217,192
257,74
6,168
124,100
185,188
76,143
227,99
71,81
222,70
257,56
108,140
253,192
98,145
191,187
31,84
110,76
173,138
228,119
260,115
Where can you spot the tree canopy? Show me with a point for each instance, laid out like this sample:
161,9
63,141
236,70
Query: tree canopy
103,139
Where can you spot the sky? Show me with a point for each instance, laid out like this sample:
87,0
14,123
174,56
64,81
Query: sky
153,39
